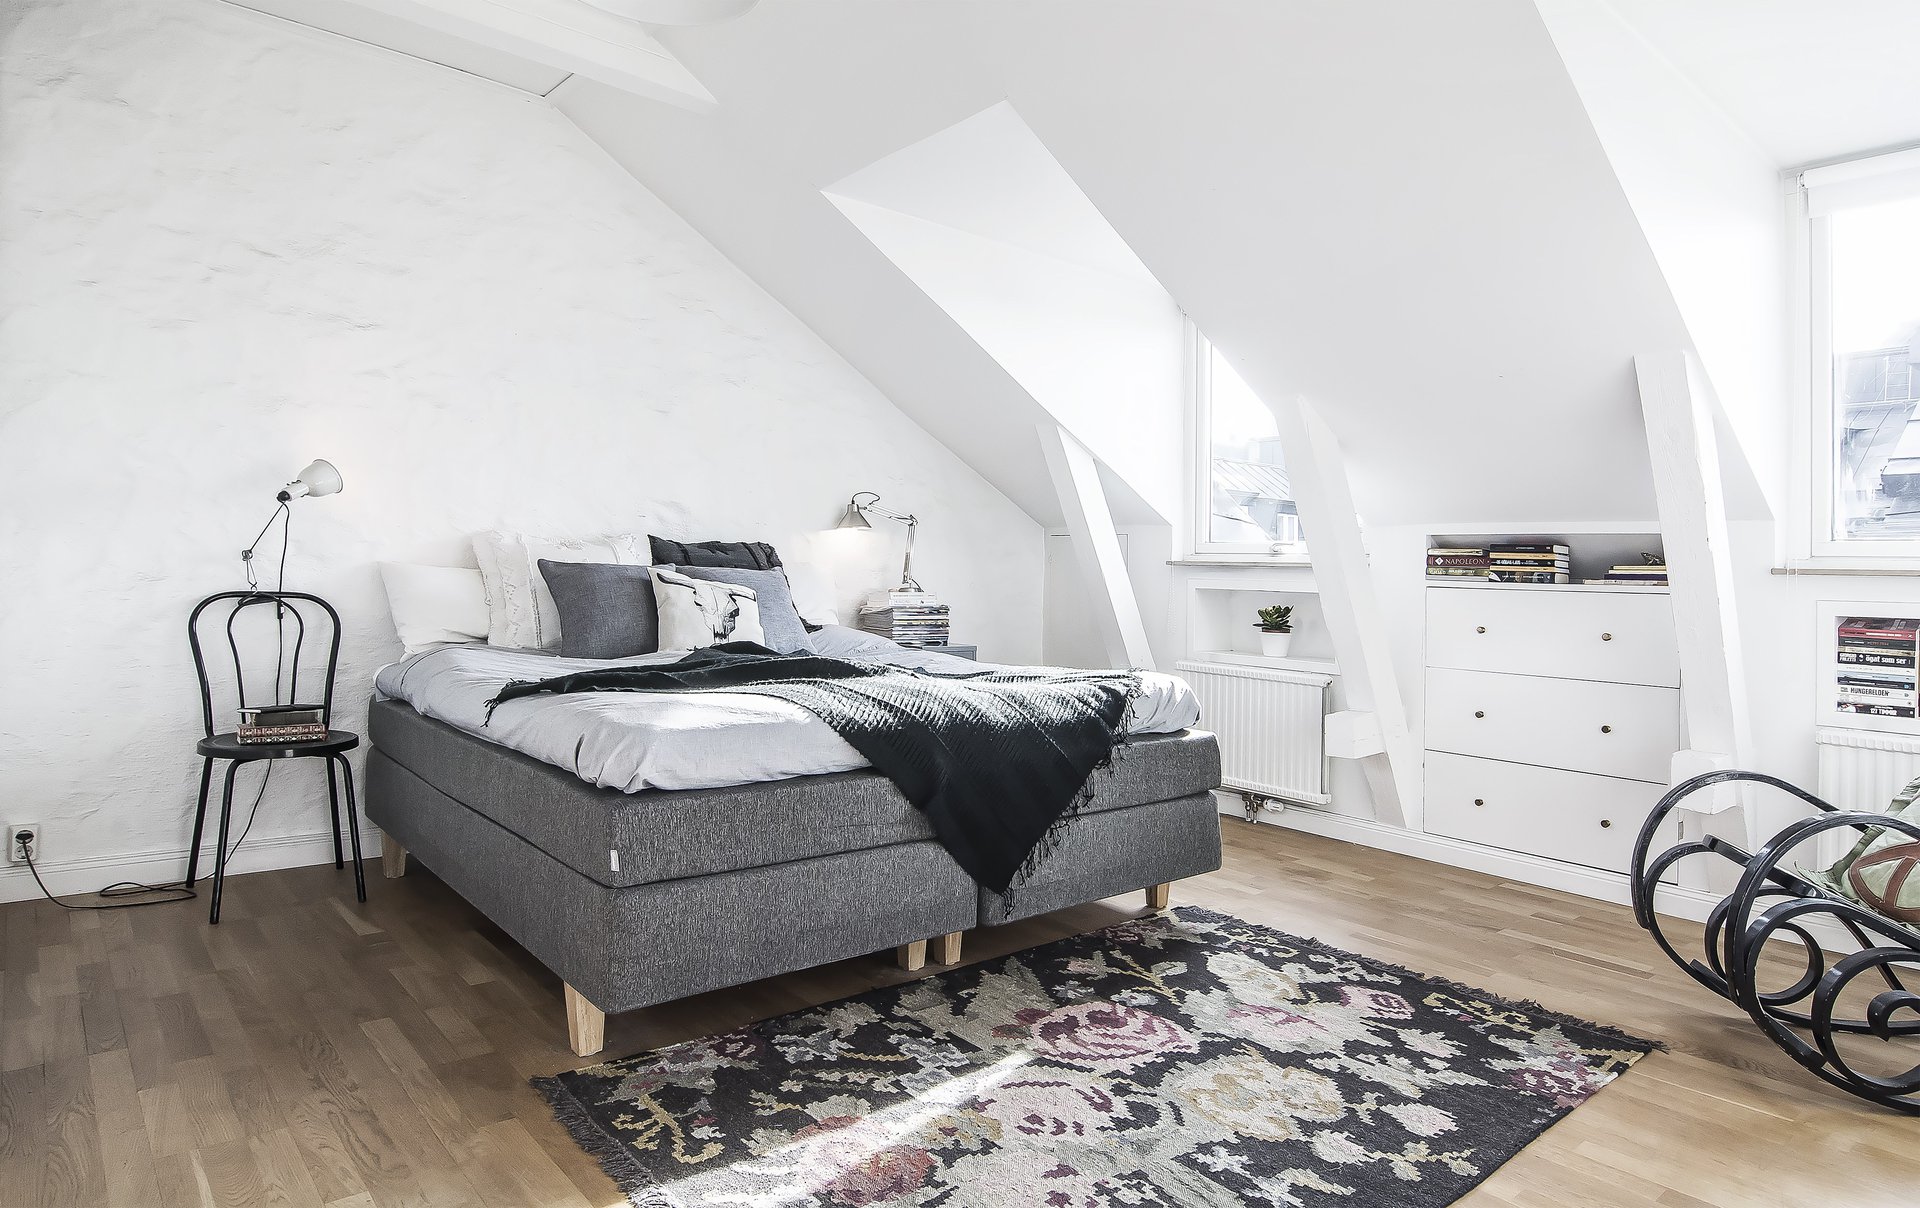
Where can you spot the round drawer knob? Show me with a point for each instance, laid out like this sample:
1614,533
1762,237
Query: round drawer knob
1479,801
1606,729
1605,823
1479,713
1479,628
1606,637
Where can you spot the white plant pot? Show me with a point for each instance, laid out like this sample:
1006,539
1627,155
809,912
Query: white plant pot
1275,645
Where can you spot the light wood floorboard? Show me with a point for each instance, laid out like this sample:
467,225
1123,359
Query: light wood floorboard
313,1051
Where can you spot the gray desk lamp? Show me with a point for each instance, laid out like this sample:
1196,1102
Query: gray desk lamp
856,518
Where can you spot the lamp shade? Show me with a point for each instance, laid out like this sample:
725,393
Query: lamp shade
319,478
854,519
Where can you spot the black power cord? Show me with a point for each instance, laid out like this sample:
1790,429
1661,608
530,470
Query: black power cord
119,889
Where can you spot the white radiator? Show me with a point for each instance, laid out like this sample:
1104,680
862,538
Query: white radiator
1860,770
1270,723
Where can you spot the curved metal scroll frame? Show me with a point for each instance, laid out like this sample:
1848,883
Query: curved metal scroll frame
1800,1018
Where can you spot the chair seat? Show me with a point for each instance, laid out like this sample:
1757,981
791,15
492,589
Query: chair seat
229,746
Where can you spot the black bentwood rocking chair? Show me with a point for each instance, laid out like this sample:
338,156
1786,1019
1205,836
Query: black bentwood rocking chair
1770,900
288,610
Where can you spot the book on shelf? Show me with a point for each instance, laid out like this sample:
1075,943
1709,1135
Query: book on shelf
1469,551
1855,656
1507,574
1886,629
1467,560
1456,572
1526,548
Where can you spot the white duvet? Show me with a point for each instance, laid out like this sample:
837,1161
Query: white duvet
632,741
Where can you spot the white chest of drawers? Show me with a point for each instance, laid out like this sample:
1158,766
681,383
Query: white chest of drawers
1551,717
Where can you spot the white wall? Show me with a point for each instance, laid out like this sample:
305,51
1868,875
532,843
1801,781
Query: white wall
229,245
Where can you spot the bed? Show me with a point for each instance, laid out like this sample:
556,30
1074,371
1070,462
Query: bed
648,847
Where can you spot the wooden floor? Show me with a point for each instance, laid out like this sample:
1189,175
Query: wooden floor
310,1050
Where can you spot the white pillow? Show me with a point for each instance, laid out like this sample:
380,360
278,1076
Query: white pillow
520,609
432,604
812,593
695,613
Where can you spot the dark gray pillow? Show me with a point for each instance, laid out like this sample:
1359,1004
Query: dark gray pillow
779,619
606,611
753,555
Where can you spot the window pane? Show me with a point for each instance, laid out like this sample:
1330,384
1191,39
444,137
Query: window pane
1252,498
1875,263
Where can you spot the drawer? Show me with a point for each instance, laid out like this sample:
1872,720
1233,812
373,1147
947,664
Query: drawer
1627,639
1608,729
1571,816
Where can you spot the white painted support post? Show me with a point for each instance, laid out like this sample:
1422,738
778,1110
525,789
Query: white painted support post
1096,547
1680,409
1317,469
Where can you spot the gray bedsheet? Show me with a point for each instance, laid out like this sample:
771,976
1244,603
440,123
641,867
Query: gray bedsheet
635,741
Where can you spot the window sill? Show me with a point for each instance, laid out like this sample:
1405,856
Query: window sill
1851,570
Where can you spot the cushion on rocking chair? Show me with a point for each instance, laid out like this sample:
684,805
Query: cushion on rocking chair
1880,872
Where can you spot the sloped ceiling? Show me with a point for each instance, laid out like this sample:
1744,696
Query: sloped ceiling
1809,81
1396,208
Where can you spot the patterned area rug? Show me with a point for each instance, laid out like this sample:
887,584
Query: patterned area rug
1181,1060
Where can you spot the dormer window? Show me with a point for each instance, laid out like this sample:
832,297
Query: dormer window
1242,498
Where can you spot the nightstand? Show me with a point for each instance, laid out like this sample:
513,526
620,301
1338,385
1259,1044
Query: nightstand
959,652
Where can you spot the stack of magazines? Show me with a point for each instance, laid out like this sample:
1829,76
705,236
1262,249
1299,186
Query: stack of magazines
281,723
911,618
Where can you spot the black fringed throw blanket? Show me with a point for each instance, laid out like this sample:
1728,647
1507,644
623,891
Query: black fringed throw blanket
995,760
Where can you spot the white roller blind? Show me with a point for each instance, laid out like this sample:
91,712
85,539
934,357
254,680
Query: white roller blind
1862,182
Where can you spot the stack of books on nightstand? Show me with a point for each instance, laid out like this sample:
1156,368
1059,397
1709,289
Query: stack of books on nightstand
1529,564
1456,562
281,723
911,618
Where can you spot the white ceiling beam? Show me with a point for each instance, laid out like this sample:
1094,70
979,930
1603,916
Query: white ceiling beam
570,36
1096,547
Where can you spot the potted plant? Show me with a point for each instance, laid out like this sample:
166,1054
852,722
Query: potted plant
1276,630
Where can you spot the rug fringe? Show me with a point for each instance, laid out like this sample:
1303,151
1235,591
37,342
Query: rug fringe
1524,1005
615,1162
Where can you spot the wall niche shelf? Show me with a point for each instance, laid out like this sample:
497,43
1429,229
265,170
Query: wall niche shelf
1592,554
1647,589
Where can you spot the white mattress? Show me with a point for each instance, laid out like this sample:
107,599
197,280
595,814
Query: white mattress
633,740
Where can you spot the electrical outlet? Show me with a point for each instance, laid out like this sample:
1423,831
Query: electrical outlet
13,831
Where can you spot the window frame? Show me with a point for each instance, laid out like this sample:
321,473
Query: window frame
1197,526
1817,431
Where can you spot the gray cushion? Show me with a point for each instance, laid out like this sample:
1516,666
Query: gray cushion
751,555
606,611
779,619
664,835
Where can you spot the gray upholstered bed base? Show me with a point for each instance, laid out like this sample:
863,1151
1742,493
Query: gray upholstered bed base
730,885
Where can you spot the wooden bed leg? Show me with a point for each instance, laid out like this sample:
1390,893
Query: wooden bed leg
393,857
586,1025
946,949
1159,895
912,957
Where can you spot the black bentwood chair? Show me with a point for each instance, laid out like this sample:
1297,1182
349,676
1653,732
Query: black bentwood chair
1772,901
288,610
